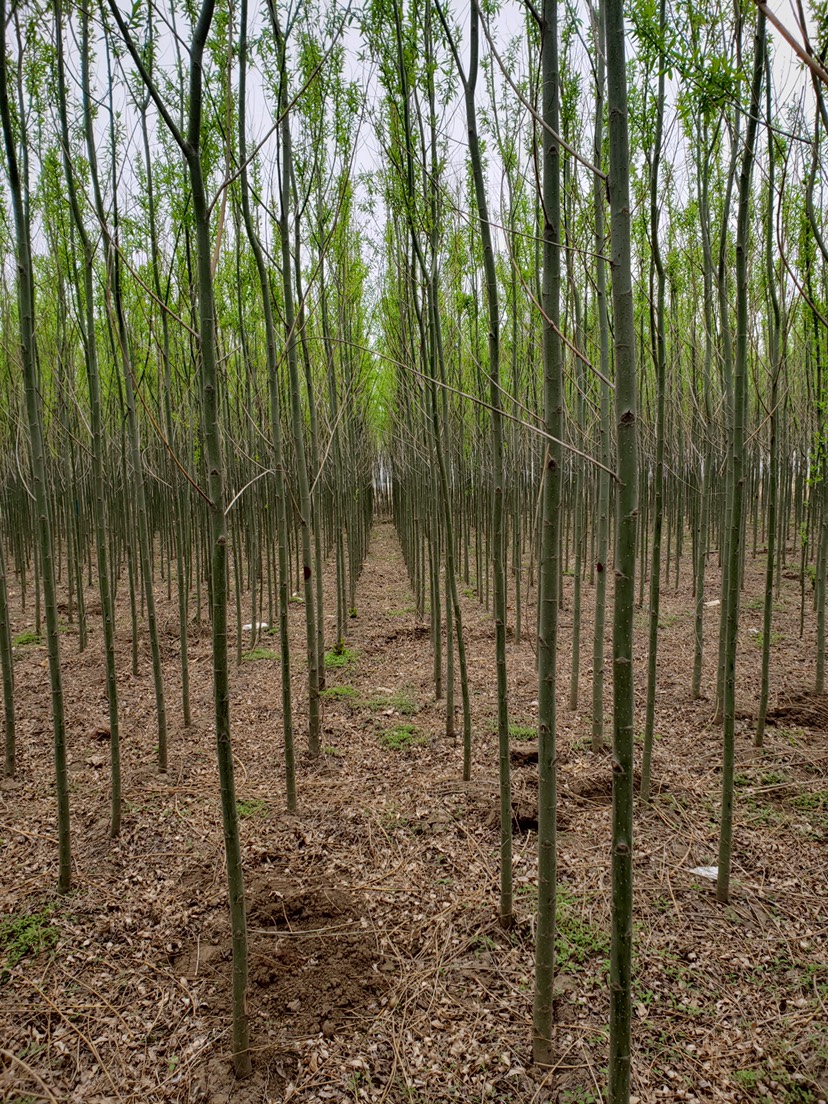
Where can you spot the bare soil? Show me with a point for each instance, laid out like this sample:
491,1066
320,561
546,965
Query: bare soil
378,971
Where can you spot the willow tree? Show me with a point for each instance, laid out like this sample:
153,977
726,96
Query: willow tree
658,320
272,360
305,505
775,362
45,549
602,535
190,144
626,418
469,82
737,463
87,326
123,341
549,570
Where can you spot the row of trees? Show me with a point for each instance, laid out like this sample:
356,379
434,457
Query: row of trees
230,331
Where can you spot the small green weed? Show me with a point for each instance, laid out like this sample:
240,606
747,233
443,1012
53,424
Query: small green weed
258,653
523,732
400,700
758,638
758,603
774,778
28,637
576,939
579,1096
25,934
816,802
340,656
765,778
250,807
334,752
402,737
342,693
766,816
748,1078
667,620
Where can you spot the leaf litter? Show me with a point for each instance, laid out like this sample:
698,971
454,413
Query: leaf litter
378,971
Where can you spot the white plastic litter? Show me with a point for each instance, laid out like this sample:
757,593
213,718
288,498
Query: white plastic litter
711,872
259,625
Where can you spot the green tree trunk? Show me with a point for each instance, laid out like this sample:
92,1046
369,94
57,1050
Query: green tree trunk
191,148
620,1057
86,321
737,461
549,567
45,548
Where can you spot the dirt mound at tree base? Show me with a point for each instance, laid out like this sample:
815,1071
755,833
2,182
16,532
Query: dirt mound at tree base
314,963
803,709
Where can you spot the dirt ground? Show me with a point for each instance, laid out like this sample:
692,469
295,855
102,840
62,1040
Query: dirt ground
377,969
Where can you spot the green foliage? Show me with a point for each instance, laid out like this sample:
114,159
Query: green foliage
342,693
339,656
578,1096
787,1089
258,653
523,732
816,802
758,603
24,934
758,639
251,807
577,940
402,737
28,637
401,700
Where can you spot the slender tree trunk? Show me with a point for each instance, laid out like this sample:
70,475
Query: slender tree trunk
626,511
549,567
113,264
190,146
45,548
602,542
734,543
275,424
657,324
305,508
775,365
498,543
86,320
